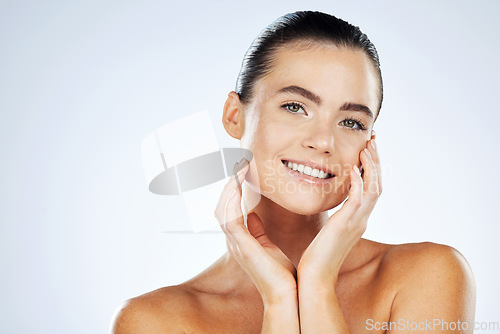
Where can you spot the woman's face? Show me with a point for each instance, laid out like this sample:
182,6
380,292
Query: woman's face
313,109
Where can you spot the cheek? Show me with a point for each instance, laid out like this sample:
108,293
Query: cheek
258,138
349,149
266,135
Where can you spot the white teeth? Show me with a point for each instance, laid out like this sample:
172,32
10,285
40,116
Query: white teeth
307,170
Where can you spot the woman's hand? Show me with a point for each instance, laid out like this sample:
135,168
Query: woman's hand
319,266
321,261
269,268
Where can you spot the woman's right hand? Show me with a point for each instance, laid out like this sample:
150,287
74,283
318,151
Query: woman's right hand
269,268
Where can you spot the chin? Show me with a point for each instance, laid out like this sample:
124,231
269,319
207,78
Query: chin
304,206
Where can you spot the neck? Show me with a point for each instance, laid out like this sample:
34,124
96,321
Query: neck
290,231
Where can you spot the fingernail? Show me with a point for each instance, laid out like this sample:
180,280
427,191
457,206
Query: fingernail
236,167
372,142
240,165
356,169
373,133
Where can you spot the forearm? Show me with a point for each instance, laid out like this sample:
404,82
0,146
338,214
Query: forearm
320,310
282,316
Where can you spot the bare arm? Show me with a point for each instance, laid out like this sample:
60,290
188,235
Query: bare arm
281,317
320,311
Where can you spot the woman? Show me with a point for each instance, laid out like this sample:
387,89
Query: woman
307,97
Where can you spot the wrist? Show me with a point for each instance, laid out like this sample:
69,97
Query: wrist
315,285
319,296
280,301
282,317
316,278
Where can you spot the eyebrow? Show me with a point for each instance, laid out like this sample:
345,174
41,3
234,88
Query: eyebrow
348,106
301,91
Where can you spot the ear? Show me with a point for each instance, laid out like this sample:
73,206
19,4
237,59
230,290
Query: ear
232,116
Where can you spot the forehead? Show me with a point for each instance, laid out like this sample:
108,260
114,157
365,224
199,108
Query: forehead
336,74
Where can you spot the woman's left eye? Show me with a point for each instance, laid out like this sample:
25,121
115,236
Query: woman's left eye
351,123
293,108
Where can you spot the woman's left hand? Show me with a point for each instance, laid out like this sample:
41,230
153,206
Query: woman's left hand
321,261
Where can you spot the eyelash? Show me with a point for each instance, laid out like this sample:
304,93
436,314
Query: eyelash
292,104
361,125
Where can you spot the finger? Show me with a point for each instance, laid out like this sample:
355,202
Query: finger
355,196
370,177
232,222
257,230
344,217
229,226
372,147
226,192
233,216
242,240
232,210
229,190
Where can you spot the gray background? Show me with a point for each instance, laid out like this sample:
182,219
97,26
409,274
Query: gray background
83,82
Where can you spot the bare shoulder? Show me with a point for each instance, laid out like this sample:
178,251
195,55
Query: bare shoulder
206,302
159,311
427,259
430,280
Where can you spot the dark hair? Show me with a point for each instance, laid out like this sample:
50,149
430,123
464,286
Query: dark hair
309,26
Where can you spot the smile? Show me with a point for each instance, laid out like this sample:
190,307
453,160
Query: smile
307,170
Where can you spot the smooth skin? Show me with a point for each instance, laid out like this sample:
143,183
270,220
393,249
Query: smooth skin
293,269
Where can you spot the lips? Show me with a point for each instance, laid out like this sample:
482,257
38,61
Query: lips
308,168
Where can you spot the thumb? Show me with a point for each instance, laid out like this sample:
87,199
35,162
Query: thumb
257,230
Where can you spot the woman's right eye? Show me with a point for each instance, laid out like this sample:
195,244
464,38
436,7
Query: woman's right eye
294,108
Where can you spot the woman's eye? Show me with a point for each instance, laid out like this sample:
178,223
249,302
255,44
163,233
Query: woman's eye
351,123
294,108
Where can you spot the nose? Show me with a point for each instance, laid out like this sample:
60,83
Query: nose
320,138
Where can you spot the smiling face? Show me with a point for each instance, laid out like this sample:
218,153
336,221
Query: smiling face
316,109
